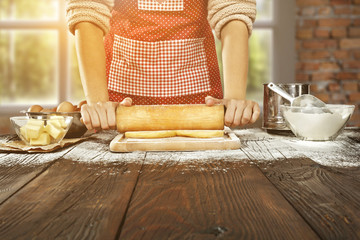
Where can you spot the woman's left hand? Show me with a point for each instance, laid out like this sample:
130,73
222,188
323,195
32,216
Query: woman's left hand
238,112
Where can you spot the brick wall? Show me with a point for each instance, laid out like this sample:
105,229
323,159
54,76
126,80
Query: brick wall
328,50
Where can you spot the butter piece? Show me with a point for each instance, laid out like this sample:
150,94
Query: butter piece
36,122
43,139
54,131
54,122
60,120
32,131
23,133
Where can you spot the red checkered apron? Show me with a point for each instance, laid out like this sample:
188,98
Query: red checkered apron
161,52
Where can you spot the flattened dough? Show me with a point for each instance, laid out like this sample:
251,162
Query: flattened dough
150,134
200,133
173,133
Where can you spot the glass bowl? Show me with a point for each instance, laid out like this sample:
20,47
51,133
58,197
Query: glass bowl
77,128
43,130
317,124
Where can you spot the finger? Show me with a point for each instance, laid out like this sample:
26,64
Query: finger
238,115
246,115
101,111
94,117
111,114
210,101
126,102
256,113
86,117
230,113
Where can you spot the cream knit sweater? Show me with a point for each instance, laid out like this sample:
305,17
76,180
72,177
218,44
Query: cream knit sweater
220,12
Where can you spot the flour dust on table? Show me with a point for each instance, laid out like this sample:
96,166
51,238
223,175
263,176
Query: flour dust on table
264,147
257,146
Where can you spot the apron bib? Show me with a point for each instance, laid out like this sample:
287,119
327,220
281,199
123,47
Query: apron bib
161,53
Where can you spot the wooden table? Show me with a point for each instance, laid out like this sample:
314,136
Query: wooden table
273,187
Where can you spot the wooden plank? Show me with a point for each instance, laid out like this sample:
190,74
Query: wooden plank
70,200
14,177
84,195
326,197
18,169
208,200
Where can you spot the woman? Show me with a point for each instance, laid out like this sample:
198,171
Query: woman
162,52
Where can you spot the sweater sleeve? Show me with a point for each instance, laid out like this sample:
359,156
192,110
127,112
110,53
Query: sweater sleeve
97,12
220,12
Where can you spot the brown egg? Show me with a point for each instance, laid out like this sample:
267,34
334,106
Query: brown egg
65,107
46,110
81,103
35,108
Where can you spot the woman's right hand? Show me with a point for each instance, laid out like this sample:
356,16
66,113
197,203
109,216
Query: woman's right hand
101,115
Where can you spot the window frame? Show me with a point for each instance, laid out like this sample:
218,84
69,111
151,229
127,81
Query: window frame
62,79
283,40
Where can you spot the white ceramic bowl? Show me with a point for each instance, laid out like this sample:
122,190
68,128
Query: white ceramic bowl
316,124
36,132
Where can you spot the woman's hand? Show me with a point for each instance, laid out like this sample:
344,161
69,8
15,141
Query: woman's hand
101,115
238,112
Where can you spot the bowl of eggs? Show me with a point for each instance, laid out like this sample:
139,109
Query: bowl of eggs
66,108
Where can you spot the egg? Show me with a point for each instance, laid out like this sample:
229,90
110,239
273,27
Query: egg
35,108
65,107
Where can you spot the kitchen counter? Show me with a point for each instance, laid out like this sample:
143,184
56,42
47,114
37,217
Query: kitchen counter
273,187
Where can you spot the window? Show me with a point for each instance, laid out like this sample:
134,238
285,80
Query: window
37,57
260,50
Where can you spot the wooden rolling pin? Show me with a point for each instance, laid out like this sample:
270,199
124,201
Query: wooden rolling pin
169,117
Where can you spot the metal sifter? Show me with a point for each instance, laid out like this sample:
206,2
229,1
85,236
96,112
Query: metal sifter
305,100
273,120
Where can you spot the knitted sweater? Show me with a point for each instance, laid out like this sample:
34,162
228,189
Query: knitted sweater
220,12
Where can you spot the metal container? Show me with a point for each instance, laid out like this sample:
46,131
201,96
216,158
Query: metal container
272,116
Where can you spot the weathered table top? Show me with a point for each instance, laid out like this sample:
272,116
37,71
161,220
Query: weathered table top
273,187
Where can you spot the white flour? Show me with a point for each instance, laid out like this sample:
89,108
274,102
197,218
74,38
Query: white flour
316,126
